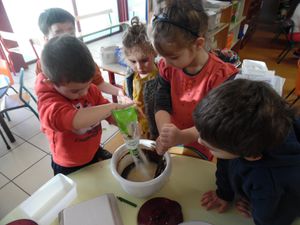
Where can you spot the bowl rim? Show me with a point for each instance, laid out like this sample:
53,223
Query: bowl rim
142,183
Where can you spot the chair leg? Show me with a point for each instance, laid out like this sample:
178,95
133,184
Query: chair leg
4,139
7,116
34,112
289,94
276,37
295,101
283,54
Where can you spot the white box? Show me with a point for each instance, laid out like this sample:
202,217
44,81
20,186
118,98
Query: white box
44,205
108,55
214,18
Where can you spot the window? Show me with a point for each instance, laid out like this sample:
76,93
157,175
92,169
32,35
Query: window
137,8
25,26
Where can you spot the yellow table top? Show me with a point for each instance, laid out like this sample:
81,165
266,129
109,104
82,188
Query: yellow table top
190,178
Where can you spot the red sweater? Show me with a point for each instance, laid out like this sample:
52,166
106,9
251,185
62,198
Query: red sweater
69,147
187,90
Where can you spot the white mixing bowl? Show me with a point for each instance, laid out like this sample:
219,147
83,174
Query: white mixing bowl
138,189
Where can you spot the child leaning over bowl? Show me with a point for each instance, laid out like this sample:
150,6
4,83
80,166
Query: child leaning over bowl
70,106
256,137
186,72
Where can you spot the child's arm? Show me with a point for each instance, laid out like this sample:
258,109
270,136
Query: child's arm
162,117
86,117
110,89
224,194
170,136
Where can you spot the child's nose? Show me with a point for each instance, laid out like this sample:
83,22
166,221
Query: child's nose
139,66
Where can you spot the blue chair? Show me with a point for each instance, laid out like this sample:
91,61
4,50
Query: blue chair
18,100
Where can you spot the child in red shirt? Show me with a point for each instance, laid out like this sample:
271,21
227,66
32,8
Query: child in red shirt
70,106
187,72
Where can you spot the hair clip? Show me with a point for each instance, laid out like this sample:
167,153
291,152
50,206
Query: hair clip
163,18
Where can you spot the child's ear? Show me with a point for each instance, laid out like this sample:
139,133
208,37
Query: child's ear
200,42
253,158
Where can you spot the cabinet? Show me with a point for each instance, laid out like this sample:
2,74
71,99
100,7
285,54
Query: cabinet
231,28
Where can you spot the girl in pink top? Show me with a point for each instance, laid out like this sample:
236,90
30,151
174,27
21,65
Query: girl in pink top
187,72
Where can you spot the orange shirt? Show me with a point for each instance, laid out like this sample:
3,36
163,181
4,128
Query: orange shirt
97,79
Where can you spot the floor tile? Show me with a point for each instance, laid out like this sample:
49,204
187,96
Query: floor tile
20,159
3,180
40,140
4,150
17,116
35,176
29,83
12,196
28,128
107,131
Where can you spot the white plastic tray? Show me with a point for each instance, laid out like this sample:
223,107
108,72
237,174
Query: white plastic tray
44,205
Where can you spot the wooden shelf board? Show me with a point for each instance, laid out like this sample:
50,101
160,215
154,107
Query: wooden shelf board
234,25
218,29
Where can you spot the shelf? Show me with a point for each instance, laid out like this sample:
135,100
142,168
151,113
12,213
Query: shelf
217,30
235,24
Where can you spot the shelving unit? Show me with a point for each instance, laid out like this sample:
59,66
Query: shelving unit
227,34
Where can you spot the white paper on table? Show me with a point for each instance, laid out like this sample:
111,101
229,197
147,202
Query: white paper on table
275,81
249,64
99,210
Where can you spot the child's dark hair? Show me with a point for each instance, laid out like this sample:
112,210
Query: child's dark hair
66,59
136,36
52,16
243,117
179,21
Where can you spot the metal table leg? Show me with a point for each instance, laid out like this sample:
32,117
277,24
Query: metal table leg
6,129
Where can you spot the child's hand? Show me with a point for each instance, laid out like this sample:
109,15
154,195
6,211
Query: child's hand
123,99
243,206
169,137
210,200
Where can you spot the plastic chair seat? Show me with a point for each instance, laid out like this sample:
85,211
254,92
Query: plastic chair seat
295,37
13,101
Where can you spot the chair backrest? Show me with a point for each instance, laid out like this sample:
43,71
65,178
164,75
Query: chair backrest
23,88
4,69
33,48
287,27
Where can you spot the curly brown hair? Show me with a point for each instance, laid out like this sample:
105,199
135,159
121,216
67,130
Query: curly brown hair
136,36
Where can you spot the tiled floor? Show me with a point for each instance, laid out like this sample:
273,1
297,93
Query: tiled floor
26,166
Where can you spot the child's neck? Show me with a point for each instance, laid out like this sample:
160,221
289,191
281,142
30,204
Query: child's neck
198,63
